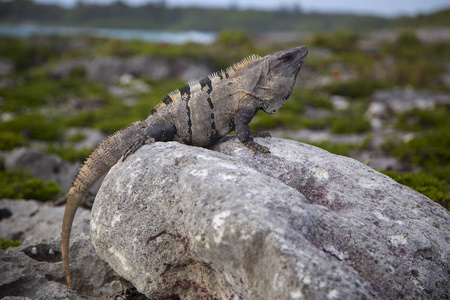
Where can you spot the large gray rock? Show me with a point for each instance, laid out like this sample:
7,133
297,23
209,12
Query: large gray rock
35,268
42,165
45,166
299,223
29,220
6,66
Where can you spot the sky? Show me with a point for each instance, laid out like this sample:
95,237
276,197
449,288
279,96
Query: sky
387,8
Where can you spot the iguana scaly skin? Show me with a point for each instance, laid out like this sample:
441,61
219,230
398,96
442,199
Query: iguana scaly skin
199,114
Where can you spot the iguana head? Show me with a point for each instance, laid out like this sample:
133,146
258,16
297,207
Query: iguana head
277,78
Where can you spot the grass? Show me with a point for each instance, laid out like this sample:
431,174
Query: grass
10,140
430,186
423,119
357,88
68,152
5,244
37,107
16,184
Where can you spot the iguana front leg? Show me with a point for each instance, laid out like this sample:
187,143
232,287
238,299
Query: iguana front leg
161,131
243,131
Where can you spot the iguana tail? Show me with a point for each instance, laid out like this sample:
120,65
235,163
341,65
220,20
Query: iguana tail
98,163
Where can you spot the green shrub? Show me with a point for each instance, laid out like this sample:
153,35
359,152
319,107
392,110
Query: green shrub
16,184
10,140
419,119
430,152
415,63
33,126
342,40
351,120
342,148
26,53
359,88
77,137
435,189
339,149
302,97
232,39
418,73
69,153
5,244
356,124
30,94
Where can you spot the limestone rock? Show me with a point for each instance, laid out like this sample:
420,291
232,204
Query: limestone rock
6,67
42,165
45,166
299,223
29,220
35,268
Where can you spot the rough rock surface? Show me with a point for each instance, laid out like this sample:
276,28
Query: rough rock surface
35,268
299,223
29,220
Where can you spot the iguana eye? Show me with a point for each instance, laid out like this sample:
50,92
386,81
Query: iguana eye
287,57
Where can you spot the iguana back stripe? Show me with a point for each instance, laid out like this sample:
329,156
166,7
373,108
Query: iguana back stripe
186,96
167,100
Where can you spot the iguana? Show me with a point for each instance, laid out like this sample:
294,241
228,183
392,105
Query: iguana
199,114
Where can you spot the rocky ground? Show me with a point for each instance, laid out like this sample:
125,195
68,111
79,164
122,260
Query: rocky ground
358,229
297,223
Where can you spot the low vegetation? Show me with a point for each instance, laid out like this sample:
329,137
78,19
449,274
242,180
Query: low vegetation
37,107
16,184
5,244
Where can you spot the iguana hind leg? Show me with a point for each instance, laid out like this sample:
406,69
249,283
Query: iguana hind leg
161,131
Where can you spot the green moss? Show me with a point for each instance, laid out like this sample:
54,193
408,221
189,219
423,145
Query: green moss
11,140
342,148
30,94
108,119
432,187
77,137
5,244
350,124
429,152
26,53
339,149
33,126
339,41
351,120
37,90
302,97
418,119
358,88
69,153
16,184
415,63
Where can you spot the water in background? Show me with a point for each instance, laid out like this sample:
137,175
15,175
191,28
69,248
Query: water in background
172,37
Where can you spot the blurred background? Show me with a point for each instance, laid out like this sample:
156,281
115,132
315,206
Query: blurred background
375,87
